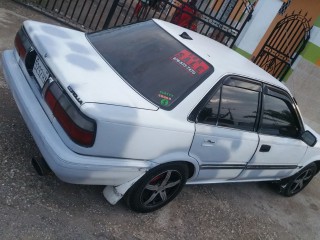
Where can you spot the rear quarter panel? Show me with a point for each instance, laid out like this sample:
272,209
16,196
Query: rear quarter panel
131,133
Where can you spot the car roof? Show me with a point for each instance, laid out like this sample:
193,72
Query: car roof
220,55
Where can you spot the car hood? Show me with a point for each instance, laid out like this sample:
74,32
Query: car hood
80,69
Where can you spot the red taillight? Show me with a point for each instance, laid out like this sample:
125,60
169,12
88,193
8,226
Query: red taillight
22,44
24,49
79,128
19,46
51,100
76,133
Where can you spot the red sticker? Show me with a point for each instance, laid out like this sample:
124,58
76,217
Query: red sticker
191,62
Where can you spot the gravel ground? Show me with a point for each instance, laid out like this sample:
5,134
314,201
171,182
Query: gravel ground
33,207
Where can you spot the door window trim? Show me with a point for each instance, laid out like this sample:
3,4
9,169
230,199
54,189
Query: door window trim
265,89
227,81
285,96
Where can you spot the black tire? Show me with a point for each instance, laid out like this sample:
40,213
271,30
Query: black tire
295,184
157,187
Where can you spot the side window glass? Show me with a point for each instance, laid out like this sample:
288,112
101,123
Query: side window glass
232,107
278,119
209,114
238,108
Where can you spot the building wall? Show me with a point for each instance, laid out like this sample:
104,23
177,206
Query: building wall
266,16
309,7
312,50
263,15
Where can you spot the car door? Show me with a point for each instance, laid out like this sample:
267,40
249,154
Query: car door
225,137
280,148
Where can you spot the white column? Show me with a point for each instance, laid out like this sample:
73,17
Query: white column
263,15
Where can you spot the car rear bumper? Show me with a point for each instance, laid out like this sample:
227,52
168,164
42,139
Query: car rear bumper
66,164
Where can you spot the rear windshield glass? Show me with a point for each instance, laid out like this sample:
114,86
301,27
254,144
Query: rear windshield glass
153,62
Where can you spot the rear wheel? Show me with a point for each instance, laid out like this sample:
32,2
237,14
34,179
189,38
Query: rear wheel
157,187
299,181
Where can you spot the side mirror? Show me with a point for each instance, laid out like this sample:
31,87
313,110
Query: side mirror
309,138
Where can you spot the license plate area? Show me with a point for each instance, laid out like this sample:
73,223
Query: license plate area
40,72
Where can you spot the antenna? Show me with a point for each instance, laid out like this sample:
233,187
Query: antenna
185,36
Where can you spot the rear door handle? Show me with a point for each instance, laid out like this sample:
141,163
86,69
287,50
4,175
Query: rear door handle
265,148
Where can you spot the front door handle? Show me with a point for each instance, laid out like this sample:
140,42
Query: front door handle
265,148
208,143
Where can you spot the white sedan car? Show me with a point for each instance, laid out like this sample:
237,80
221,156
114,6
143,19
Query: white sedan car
146,108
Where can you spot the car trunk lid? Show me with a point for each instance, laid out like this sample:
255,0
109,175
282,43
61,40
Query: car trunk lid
80,69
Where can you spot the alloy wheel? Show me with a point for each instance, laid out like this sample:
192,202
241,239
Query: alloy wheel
301,181
161,188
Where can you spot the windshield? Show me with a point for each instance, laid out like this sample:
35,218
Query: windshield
153,62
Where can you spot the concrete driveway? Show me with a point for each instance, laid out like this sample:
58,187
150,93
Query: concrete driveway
33,207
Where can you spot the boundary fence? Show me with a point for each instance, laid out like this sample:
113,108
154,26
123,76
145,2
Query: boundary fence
222,20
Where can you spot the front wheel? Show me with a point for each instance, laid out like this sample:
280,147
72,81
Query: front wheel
157,187
299,181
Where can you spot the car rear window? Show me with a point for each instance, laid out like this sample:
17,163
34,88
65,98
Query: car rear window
153,62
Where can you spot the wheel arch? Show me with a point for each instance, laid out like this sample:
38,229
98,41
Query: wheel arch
180,158
317,162
297,182
191,169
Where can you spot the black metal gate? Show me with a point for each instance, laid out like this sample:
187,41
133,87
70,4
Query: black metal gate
284,44
88,15
222,20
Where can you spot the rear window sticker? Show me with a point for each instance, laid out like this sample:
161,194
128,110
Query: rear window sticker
165,98
191,62
165,95
164,102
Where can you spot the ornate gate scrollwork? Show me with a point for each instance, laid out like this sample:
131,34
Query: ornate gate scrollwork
284,44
